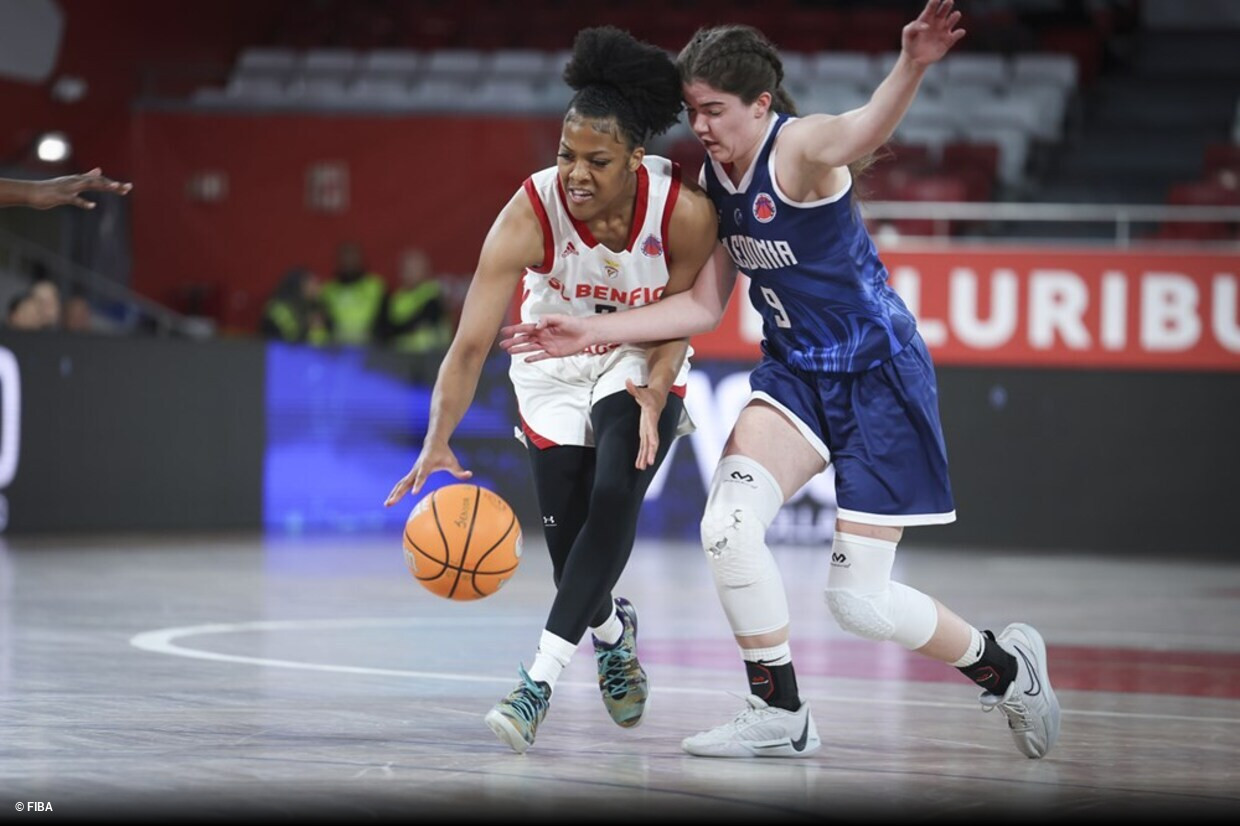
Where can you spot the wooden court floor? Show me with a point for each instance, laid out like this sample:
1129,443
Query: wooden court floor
311,679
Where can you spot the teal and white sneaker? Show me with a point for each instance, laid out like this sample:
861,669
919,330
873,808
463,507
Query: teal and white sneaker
1029,702
759,731
620,676
515,718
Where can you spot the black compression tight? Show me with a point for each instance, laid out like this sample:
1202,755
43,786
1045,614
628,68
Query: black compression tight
590,499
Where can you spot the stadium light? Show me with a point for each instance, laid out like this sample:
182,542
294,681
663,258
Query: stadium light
53,147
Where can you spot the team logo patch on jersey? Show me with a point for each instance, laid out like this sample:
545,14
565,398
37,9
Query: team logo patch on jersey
764,208
611,267
652,246
569,249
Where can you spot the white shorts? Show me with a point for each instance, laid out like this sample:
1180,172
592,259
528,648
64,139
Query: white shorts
555,396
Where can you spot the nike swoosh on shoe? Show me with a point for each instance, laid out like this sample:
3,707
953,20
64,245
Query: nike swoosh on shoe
1033,675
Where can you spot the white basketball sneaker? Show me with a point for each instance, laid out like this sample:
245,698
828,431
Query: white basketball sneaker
759,731
1029,702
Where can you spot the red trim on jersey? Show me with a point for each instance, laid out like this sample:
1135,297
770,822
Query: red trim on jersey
540,210
639,210
672,193
679,389
540,442
639,207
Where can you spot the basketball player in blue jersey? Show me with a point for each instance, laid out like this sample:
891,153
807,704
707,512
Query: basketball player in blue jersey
844,378
607,228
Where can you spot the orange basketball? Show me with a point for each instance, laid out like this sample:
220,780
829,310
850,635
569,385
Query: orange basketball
462,542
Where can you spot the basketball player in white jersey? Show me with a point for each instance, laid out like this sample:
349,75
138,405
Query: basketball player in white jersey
605,230
844,378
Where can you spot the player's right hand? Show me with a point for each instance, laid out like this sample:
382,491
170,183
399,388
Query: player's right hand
432,458
554,336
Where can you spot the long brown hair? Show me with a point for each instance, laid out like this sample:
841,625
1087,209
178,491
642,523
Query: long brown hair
739,60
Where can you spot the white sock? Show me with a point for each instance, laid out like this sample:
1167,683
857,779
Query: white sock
552,657
775,655
609,632
977,644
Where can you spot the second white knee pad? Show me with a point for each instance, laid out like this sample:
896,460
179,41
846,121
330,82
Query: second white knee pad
744,499
864,600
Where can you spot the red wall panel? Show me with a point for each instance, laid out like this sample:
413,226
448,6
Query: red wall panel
434,183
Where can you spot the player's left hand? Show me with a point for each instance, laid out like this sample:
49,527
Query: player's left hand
932,34
652,405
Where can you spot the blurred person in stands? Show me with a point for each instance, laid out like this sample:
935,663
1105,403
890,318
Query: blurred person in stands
47,295
353,297
25,313
415,317
605,229
63,191
295,311
844,379
79,316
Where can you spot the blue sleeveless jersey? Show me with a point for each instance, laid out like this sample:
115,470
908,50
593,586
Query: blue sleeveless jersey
815,275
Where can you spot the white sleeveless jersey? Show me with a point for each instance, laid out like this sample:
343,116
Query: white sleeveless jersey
579,276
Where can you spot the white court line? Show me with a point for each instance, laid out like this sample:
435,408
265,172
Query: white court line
162,641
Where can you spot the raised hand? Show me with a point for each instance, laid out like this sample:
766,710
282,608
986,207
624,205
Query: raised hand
932,34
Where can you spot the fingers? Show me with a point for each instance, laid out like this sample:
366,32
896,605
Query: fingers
516,348
402,487
631,387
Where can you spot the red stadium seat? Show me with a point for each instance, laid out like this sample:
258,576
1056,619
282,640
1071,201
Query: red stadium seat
976,163
1221,156
1200,193
938,187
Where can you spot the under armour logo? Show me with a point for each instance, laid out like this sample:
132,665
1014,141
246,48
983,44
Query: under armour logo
744,477
549,522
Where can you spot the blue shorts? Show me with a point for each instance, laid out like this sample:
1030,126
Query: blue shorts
879,428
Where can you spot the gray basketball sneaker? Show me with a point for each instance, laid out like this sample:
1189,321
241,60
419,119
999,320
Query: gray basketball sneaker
621,677
759,731
1029,702
515,718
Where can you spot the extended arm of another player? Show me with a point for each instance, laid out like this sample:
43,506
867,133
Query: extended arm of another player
839,140
513,243
61,191
689,313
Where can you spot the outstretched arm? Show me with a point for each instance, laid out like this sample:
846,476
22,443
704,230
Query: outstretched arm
513,244
685,314
62,191
838,140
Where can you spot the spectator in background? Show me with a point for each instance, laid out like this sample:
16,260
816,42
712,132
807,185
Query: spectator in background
353,297
78,315
415,317
295,311
53,192
25,313
47,298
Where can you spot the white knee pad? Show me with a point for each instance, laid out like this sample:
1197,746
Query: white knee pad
743,501
864,600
